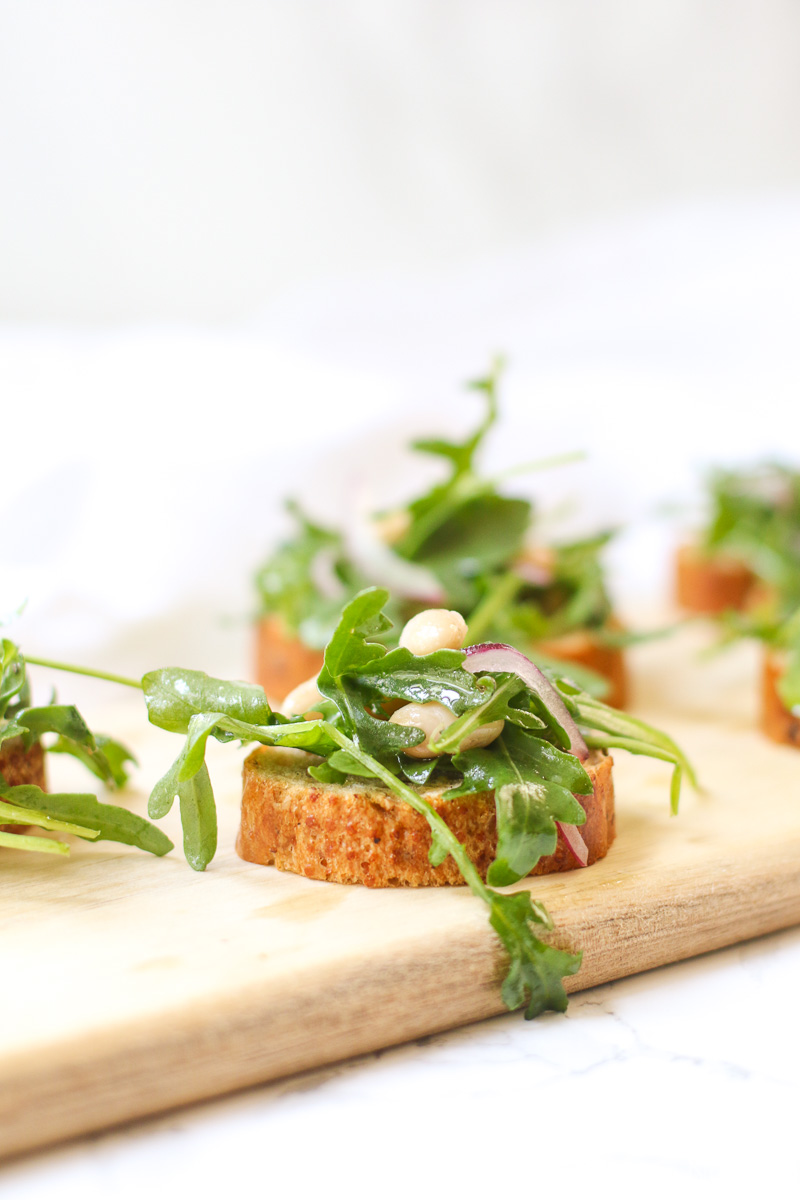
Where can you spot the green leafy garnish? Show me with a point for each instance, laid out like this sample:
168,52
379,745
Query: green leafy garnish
536,783
75,813
755,518
471,538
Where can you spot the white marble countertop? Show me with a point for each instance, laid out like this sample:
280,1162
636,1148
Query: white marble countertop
681,1077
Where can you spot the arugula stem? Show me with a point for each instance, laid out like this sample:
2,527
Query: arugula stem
423,807
503,591
57,666
22,841
540,464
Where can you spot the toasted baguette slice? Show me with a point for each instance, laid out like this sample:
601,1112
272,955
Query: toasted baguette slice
777,722
710,584
282,660
18,765
585,648
359,833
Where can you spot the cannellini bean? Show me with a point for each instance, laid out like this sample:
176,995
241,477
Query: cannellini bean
302,699
434,629
393,526
431,718
481,736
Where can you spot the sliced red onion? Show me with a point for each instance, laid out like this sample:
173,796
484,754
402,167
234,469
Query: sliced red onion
322,573
533,573
496,656
381,566
575,843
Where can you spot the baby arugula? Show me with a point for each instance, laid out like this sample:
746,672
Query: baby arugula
755,518
21,727
470,539
536,781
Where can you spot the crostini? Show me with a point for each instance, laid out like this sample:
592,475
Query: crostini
25,802
746,572
750,541
423,765
463,546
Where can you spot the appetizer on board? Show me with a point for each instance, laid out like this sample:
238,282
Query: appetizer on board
745,569
405,753
749,543
24,800
464,546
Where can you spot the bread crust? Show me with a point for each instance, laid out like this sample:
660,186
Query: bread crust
282,660
18,766
356,833
710,584
777,722
586,648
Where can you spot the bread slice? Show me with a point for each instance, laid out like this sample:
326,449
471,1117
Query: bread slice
585,648
18,765
710,584
357,832
777,722
282,660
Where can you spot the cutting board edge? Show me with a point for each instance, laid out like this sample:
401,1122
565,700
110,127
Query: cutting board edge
208,1053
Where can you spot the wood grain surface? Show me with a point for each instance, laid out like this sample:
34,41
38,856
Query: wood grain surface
133,984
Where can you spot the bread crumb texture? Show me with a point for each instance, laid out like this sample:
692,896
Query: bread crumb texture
18,766
355,833
777,722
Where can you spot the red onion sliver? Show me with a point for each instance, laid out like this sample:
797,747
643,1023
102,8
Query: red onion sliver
322,574
533,573
380,565
575,843
496,656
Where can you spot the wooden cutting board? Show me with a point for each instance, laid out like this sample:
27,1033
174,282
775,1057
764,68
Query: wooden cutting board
133,984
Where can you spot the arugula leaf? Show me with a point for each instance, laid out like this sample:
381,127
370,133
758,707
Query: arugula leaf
40,845
102,755
401,675
349,653
462,454
518,756
495,707
173,696
534,785
605,728
107,761
15,806
755,517
197,807
526,827
479,535
105,822
536,969
12,674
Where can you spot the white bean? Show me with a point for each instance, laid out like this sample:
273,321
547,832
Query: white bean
393,526
302,698
431,718
434,629
481,736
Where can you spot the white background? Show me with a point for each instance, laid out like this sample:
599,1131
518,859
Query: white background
250,248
